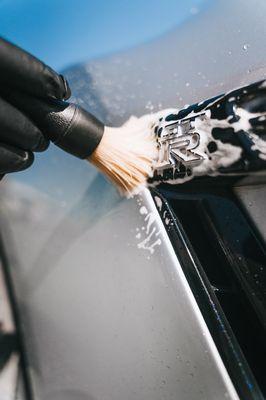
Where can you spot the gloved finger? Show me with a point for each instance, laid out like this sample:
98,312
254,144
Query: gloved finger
16,129
13,159
23,71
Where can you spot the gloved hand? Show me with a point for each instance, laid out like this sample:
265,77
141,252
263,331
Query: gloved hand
19,137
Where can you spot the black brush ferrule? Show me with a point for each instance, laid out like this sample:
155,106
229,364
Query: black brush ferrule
67,125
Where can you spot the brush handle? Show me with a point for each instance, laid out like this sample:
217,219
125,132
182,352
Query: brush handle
67,125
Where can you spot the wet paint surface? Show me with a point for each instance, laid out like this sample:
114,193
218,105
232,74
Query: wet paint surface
115,300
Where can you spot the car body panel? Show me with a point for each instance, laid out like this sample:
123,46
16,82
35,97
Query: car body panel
104,316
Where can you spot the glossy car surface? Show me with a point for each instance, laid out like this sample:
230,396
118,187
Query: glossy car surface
106,310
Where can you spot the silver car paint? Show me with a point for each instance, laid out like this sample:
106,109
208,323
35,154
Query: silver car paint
103,318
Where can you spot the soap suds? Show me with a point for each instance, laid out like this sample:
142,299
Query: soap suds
150,218
149,231
158,202
167,220
143,210
208,138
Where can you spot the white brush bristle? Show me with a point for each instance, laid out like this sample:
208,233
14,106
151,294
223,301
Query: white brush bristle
126,154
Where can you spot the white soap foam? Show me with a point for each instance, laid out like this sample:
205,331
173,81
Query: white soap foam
158,202
143,210
150,230
226,153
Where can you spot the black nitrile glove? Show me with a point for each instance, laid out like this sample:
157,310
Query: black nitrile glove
19,137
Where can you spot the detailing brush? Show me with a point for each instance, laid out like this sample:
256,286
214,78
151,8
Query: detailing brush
223,135
124,154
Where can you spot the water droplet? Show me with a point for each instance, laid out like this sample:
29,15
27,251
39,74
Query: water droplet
245,46
149,106
187,84
229,52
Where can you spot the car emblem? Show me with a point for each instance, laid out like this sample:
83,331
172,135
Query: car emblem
177,147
